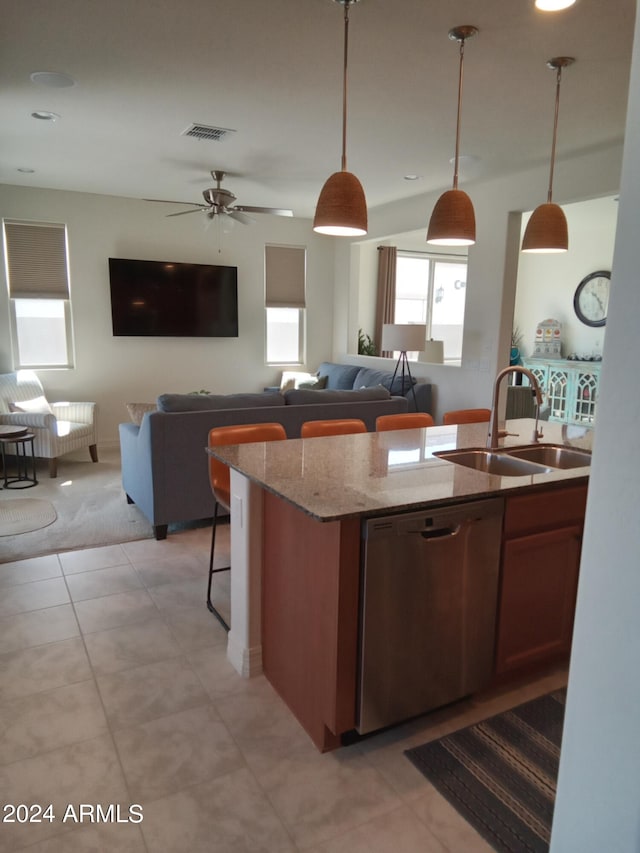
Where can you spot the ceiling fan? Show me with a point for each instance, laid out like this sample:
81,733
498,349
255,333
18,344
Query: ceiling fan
221,202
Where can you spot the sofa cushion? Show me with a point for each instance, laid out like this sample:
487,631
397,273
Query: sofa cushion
366,377
339,376
301,396
208,402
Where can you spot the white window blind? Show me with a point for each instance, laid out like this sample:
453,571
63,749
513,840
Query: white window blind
285,276
36,260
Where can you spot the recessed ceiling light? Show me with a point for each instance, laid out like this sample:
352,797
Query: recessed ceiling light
45,115
412,177
25,170
53,79
553,5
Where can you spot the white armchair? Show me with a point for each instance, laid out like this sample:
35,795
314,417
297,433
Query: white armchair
58,427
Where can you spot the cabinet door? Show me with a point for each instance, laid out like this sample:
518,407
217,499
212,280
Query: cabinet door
584,398
537,598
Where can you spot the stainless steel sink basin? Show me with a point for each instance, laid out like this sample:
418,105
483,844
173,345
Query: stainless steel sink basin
493,462
553,455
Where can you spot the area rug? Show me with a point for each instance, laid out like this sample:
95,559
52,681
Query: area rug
22,515
91,507
501,774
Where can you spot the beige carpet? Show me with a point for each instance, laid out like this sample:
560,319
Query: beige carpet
91,508
22,515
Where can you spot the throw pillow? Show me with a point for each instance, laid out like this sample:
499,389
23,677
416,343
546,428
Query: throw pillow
293,378
137,411
318,385
39,405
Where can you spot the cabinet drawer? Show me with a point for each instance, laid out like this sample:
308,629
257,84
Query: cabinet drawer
542,510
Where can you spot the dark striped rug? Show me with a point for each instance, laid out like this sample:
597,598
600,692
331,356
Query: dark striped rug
501,774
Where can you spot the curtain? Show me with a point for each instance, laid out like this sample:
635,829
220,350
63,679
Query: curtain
386,296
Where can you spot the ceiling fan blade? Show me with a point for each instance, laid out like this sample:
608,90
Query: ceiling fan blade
275,211
239,216
173,201
193,210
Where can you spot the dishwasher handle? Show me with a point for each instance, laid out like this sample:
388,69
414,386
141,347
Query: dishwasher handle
440,532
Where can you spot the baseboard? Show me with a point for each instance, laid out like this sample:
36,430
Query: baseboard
247,662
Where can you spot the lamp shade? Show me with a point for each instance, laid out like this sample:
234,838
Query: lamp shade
342,207
403,337
453,221
553,5
546,230
432,352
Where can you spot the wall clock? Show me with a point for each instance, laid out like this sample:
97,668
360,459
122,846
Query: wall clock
591,299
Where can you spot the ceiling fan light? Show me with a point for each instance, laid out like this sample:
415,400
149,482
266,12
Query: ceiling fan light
453,221
546,230
342,208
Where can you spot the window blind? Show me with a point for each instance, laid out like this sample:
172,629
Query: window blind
285,276
36,260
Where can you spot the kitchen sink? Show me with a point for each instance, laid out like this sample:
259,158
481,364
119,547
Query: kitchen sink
494,462
553,455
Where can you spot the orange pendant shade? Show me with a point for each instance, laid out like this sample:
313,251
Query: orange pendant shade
342,208
546,230
453,221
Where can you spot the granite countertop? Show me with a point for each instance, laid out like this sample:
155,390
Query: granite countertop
346,476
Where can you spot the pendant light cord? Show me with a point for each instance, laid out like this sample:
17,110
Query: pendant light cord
344,86
460,79
555,133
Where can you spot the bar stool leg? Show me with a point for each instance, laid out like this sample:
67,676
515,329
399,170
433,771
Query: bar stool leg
213,571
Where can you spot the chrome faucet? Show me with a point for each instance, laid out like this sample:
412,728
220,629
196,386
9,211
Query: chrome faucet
494,433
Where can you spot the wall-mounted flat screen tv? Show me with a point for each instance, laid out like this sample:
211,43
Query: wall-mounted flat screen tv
161,298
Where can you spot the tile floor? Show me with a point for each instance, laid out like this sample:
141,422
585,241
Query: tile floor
115,689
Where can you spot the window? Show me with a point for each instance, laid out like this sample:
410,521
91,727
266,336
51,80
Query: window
285,271
39,303
431,289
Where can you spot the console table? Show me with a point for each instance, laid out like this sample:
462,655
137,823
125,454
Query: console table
570,388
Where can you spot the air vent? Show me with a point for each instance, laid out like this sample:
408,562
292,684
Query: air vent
205,131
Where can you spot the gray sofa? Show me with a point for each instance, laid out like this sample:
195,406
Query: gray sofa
350,376
164,466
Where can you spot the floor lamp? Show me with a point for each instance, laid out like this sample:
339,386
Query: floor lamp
405,337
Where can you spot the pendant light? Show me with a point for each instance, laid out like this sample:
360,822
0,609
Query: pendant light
453,222
547,229
553,5
342,208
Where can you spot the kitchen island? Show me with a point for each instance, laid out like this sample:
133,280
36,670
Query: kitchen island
297,511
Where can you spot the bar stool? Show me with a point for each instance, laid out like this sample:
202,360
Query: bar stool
467,416
339,426
404,420
220,479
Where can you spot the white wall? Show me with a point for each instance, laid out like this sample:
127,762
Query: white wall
493,263
597,805
545,289
114,371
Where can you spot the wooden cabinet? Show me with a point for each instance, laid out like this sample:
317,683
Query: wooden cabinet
570,388
541,546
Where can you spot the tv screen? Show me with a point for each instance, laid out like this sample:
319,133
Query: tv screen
161,298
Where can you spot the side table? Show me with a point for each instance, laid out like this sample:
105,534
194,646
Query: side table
22,439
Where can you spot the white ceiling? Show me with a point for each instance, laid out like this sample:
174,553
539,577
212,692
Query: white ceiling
271,70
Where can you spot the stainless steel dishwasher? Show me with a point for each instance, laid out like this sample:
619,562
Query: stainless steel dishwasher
428,609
